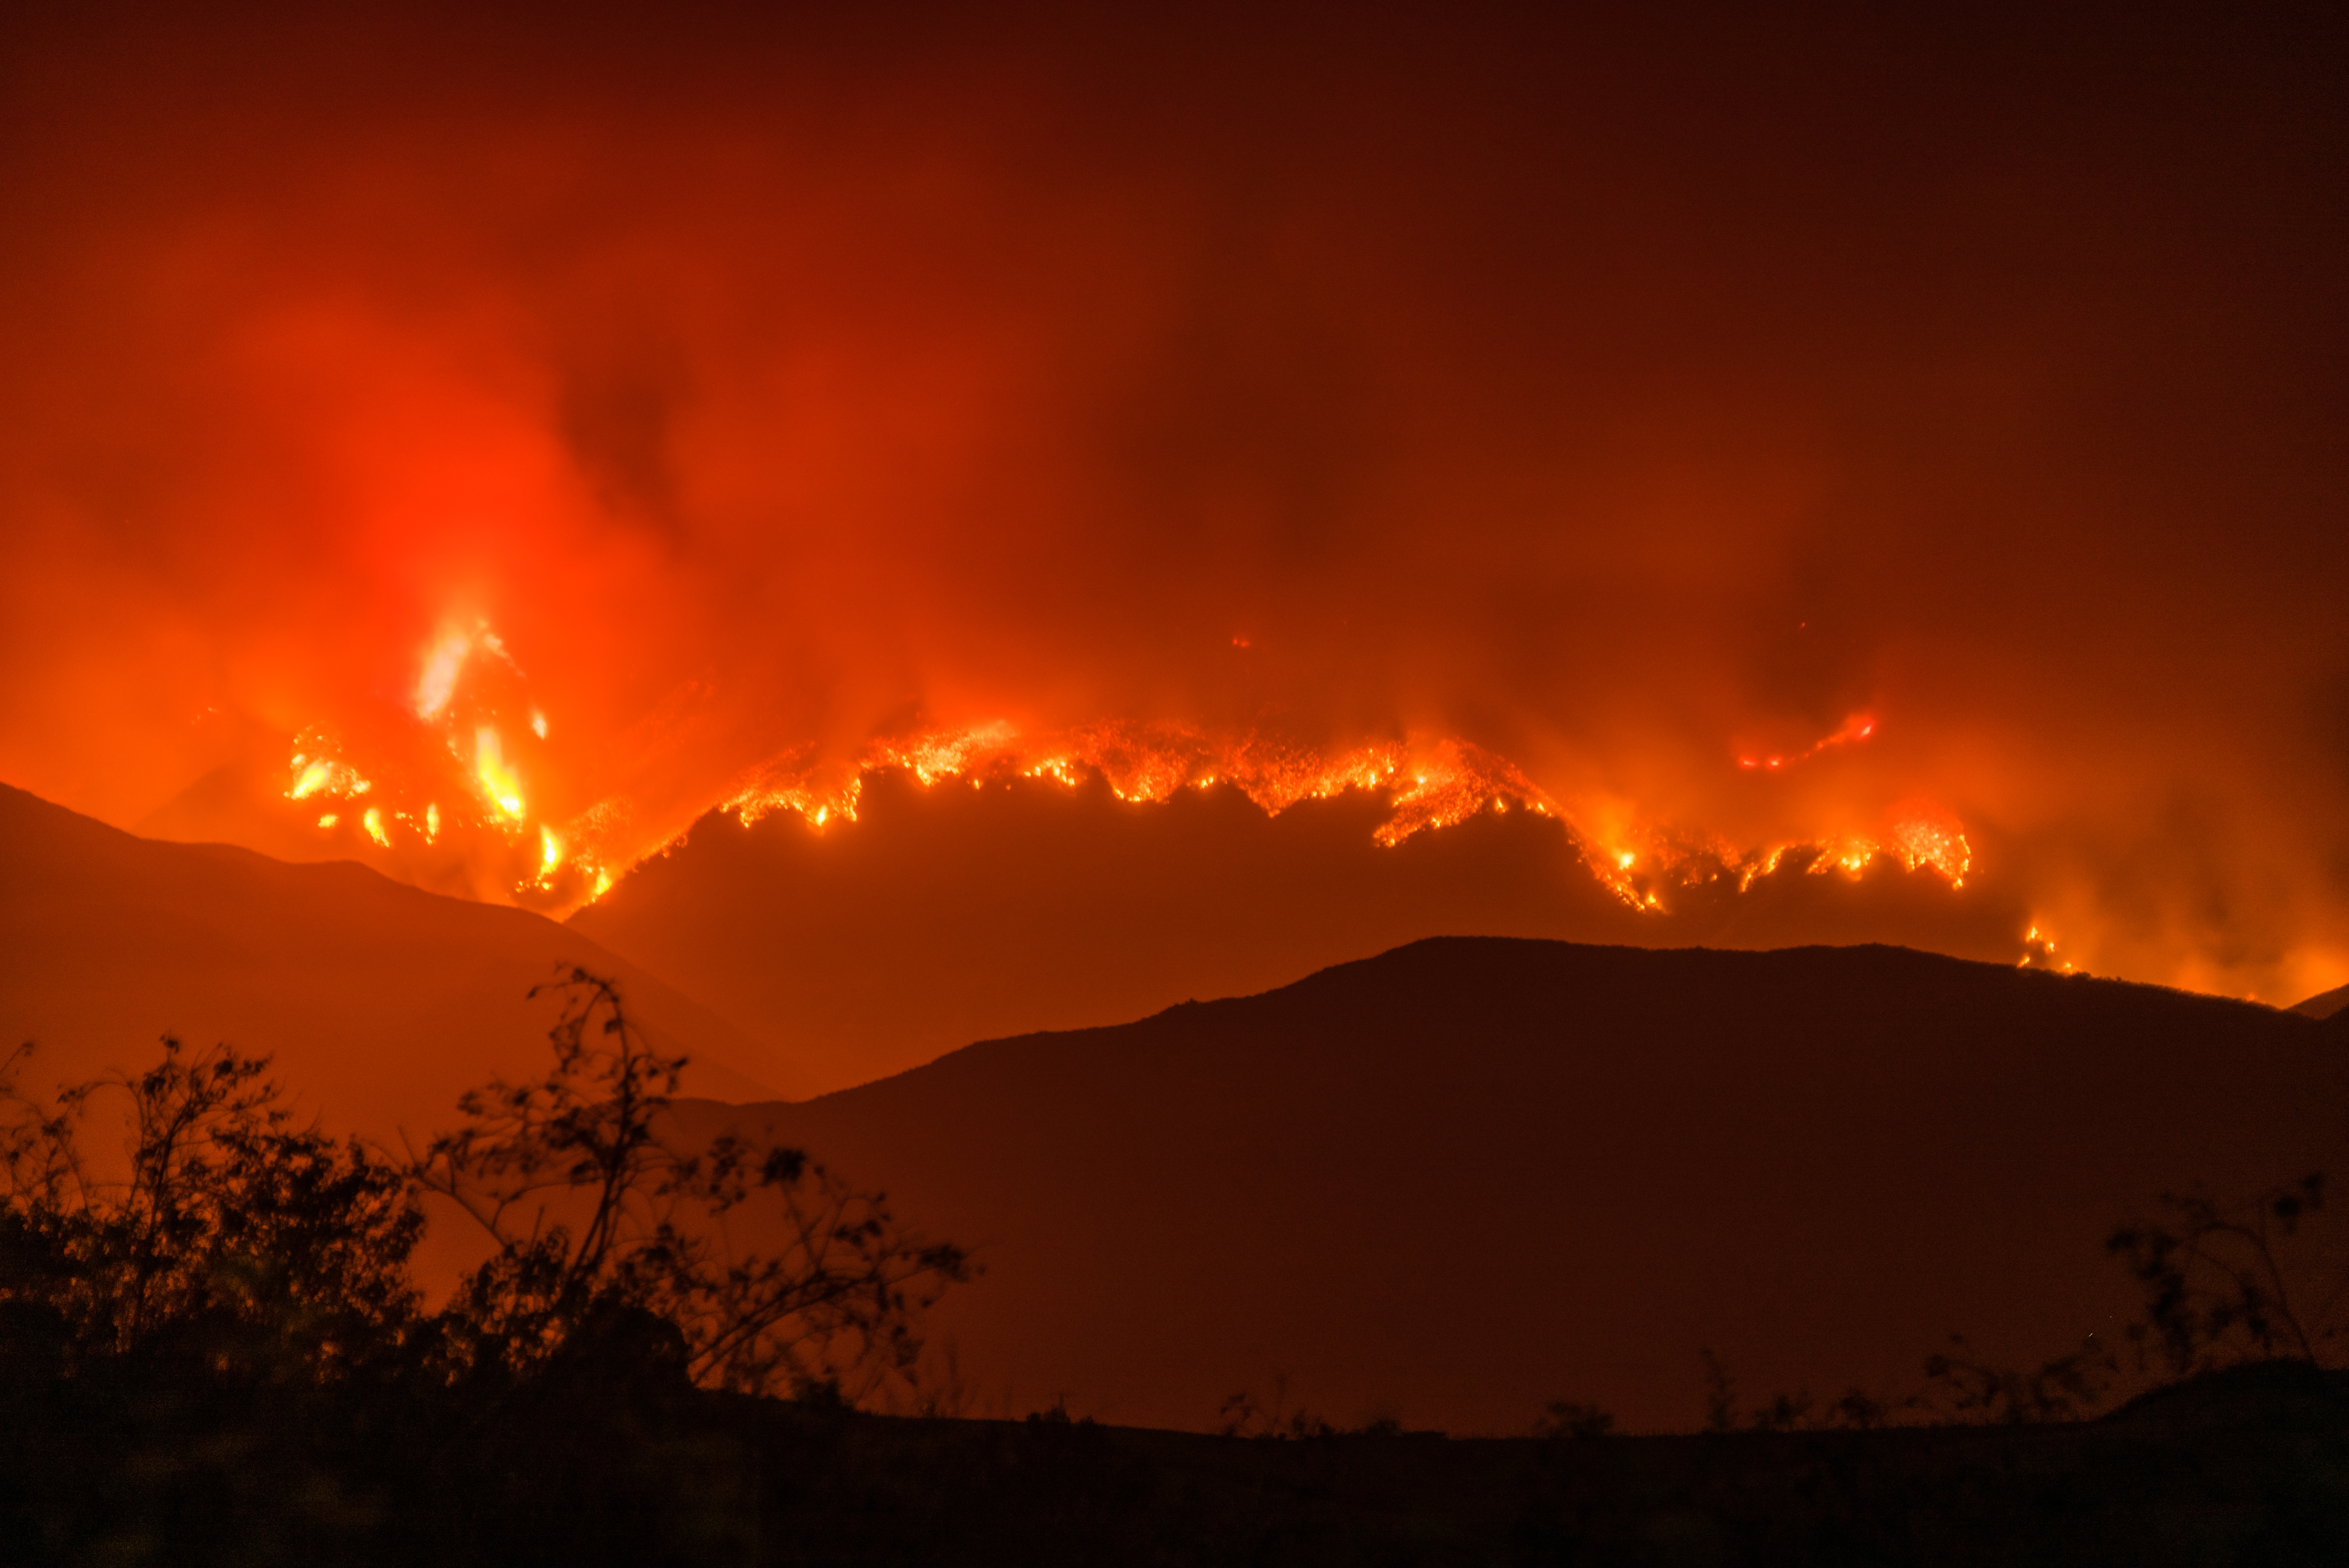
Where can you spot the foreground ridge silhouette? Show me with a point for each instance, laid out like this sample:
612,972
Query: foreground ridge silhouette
219,1358
1471,1175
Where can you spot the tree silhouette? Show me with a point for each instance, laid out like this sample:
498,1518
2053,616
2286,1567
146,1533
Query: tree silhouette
593,1210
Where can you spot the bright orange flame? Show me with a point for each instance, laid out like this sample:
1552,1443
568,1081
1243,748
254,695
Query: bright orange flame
372,821
1423,782
499,785
1922,840
324,776
1427,783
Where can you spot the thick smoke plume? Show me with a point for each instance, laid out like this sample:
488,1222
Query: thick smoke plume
1627,405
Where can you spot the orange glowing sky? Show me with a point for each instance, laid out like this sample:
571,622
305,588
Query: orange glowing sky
1890,435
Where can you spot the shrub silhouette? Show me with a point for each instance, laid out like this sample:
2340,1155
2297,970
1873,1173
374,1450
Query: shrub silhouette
251,1245
2219,1288
2226,1283
593,1211
235,1244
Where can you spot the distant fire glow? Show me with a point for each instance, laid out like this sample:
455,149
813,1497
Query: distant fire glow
1524,417
1425,782
1859,726
1428,783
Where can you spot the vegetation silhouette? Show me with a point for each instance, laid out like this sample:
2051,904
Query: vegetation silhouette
229,1235
833,1308
213,1349
1242,1416
218,1331
2226,1284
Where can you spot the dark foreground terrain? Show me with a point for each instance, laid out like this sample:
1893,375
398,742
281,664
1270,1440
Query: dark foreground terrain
2245,1467
1454,1181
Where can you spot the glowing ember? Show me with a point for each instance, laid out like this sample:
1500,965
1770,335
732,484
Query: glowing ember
1925,840
1859,726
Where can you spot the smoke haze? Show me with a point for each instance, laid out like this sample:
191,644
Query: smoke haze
1627,403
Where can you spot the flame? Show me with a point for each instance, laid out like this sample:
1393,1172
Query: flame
1858,728
1423,782
1925,837
499,785
443,662
323,776
1428,783
2039,951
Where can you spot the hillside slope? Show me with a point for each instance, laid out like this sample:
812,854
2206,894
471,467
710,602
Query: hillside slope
381,1003
1471,1175
1024,905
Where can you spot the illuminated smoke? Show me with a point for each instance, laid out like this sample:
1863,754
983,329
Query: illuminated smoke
637,424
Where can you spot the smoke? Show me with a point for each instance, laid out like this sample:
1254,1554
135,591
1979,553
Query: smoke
1627,403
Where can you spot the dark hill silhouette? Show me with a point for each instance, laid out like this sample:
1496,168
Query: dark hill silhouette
380,1003
2324,1004
1470,1175
1025,905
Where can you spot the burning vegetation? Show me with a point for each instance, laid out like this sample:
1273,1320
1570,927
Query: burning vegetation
479,744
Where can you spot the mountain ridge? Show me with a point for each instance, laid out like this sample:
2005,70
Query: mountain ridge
1469,1175
380,1001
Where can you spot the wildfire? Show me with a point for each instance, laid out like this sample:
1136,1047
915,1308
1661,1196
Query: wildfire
1859,726
2039,951
475,739
1426,784
499,785
444,665
469,690
1429,785
323,776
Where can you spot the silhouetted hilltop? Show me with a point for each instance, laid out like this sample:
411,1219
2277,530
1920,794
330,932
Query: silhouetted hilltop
1026,904
1470,1175
2324,1004
380,1002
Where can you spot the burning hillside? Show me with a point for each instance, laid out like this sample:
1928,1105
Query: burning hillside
1746,446
456,787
